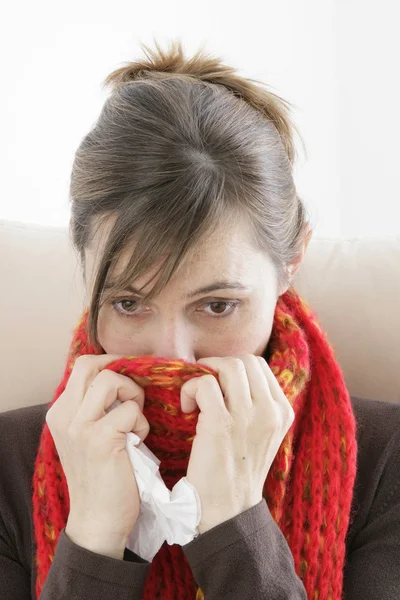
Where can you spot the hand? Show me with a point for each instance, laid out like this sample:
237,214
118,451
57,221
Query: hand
104,497
241,425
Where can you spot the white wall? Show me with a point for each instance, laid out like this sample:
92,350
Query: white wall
336,61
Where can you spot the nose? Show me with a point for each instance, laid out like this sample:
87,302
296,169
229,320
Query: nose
172,338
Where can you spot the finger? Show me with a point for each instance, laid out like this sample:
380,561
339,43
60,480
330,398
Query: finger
258,383
233,381
276,390
85,369
125,418
203,392
105,388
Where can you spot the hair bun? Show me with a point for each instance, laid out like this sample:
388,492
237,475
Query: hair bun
160,64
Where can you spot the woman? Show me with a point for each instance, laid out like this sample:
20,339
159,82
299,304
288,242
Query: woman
186,178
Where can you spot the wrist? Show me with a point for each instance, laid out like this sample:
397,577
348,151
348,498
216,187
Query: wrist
214,518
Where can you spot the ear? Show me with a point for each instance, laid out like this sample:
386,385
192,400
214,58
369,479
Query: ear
294,266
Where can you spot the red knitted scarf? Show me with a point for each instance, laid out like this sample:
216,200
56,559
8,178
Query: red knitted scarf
308,489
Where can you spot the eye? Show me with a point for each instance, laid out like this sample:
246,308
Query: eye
125,312
131,311
230,304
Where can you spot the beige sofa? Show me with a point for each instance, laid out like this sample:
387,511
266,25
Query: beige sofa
352,284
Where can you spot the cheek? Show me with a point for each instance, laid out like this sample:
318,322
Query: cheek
255,334
113,335
248,335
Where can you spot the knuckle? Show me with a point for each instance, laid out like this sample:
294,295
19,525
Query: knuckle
119,380
213,385
133,413
252,357
52,417
106,379
106,374
284,418
236,362
273,421
134,407
83,361
277,420
290,414
249,358
209,380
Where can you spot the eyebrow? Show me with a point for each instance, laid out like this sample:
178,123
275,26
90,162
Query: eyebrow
217,285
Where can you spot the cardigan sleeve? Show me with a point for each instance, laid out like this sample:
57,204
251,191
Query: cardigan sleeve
15,581
77,573
372,571
246,557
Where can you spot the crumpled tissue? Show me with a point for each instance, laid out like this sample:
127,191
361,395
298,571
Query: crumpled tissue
173,516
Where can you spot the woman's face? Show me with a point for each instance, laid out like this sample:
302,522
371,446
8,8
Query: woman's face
182,323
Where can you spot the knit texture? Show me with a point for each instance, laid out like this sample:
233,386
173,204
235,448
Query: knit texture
309,486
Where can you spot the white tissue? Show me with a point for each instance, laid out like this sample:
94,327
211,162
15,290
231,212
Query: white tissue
173,516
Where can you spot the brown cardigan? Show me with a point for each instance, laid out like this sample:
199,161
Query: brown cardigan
246,557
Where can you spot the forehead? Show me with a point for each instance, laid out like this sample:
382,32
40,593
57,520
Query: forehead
227,252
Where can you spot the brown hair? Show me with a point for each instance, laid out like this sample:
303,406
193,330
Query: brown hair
182,145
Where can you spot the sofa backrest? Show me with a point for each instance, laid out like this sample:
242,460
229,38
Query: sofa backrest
352,284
